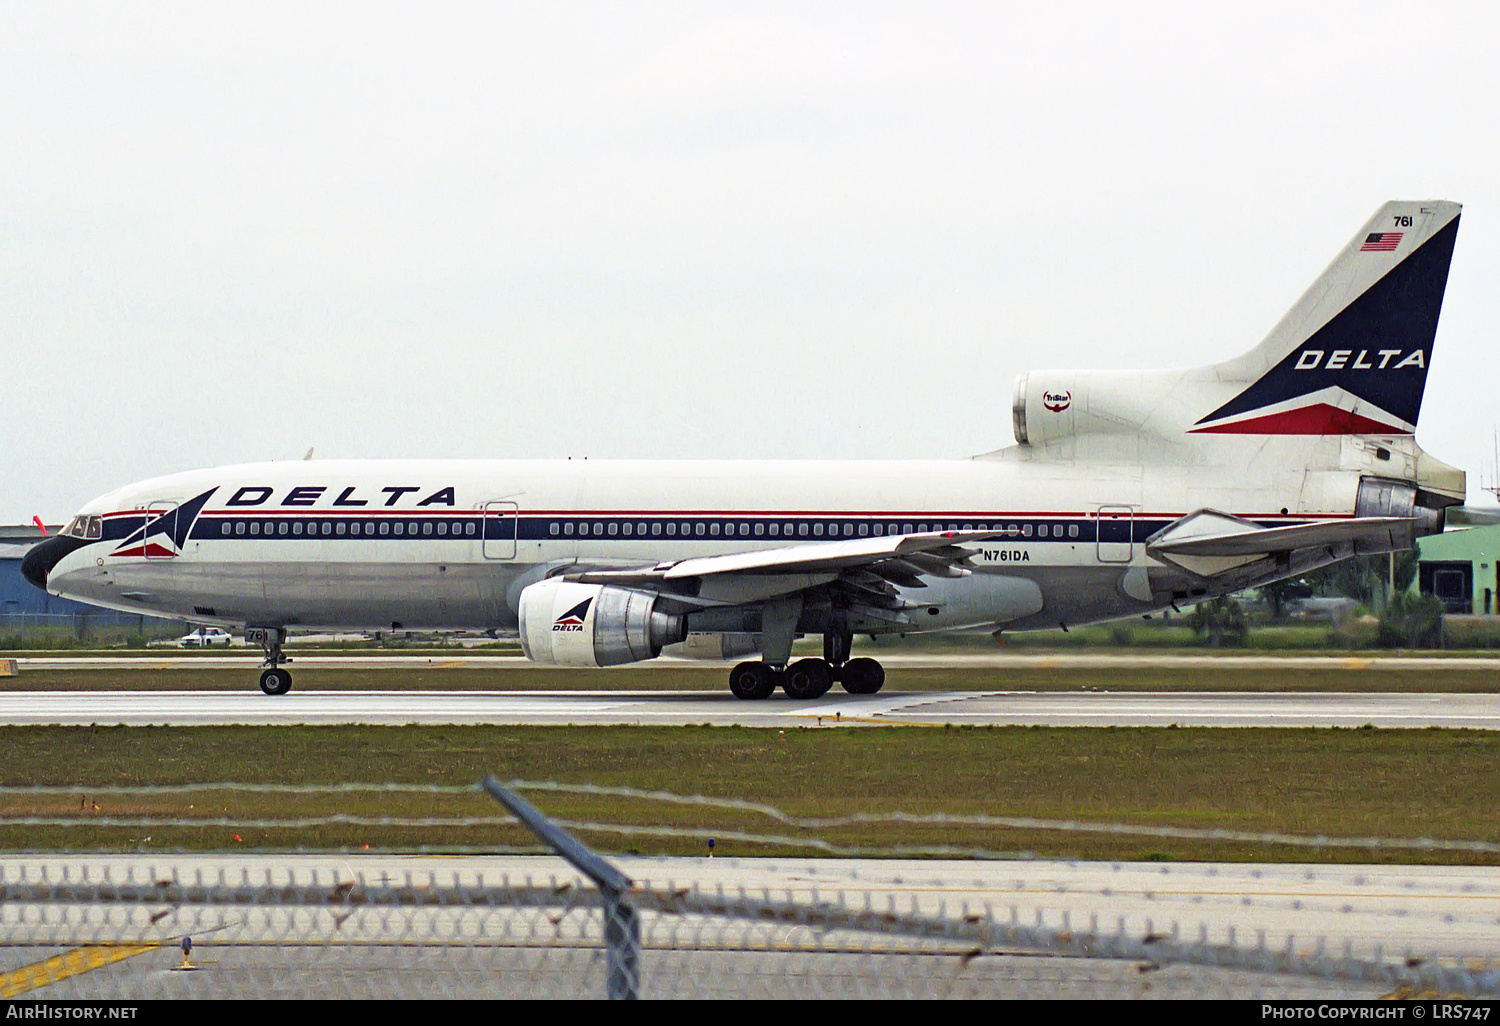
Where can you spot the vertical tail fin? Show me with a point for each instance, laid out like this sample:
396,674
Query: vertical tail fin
1351,356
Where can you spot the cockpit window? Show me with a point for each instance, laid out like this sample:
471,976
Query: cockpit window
90,528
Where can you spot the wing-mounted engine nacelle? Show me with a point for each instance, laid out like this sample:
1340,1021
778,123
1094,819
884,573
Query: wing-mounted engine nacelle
568,624
1051,406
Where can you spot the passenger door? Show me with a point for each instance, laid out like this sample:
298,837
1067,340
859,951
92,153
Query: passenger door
1113,532
500,519
160,541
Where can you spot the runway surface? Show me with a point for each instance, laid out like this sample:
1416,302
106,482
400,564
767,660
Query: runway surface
290,943
1125,709
460,659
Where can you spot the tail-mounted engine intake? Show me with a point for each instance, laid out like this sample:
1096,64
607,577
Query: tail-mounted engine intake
568,624
1050,406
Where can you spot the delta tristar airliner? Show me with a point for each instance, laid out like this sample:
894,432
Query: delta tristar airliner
1126,492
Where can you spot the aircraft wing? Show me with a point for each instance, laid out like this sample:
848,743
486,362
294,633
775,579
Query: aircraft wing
875,564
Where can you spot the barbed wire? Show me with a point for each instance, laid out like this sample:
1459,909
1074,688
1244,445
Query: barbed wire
283,823
890,818
1185,903
231,785
1011,822
977,927
820,846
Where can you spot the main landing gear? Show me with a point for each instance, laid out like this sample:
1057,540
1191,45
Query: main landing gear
809,678
273,679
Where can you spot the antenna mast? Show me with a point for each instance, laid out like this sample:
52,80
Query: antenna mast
1494,486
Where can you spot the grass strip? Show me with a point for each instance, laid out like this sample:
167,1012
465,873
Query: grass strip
1341,783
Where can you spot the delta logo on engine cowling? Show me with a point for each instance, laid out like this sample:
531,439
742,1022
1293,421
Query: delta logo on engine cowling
573,619
1056,402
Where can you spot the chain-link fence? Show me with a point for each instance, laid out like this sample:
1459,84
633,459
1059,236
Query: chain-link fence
355,924
84,627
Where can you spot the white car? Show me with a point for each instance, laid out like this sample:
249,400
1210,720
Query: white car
204,637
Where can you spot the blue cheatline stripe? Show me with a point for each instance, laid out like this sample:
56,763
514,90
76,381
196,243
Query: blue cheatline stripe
120,528
654,528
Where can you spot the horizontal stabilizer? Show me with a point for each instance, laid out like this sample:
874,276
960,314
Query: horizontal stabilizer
1455,517
1211,533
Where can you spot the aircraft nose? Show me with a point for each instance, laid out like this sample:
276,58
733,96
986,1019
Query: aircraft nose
42,557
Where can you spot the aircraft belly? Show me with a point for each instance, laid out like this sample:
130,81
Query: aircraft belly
1078,594
376,596
980,600
333,595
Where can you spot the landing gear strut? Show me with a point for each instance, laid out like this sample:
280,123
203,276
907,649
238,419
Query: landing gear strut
809,678
273,679
836,648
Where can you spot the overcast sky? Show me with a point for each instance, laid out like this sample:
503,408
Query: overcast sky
232,232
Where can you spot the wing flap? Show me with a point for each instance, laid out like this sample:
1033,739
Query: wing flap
833,555
760,574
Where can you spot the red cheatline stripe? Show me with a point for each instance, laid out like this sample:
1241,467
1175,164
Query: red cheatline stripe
1317,419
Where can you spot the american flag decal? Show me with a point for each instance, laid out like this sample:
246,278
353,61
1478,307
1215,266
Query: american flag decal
1381,242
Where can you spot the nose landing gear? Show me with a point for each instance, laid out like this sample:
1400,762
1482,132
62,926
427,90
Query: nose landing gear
273,679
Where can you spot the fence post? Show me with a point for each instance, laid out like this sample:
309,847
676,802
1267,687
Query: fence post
622,927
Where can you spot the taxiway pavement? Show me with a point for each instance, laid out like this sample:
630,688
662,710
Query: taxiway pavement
461,659
836,709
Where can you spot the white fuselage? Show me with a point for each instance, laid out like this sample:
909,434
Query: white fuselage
449,544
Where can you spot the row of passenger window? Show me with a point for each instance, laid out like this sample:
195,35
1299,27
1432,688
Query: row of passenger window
615,528
816,529
339,528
